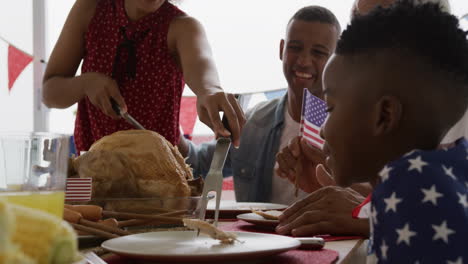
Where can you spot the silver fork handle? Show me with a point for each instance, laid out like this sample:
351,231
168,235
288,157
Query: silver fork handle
203,205
222,146
218,200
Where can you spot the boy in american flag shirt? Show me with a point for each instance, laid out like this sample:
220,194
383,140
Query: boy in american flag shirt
397,83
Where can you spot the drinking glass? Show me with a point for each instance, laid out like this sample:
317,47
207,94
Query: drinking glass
33,169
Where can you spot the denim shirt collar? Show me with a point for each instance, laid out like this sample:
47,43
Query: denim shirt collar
279,112
261,189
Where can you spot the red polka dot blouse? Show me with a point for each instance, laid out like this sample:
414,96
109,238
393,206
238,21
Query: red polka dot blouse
137,56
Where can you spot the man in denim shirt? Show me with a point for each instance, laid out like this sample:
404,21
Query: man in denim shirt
311,38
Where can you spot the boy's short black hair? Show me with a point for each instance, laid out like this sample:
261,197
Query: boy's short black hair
316,14
419,32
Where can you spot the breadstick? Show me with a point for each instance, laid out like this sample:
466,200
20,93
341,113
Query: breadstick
109,222
138,222
121,215
76,218
89,212
71,216
103,227
93,231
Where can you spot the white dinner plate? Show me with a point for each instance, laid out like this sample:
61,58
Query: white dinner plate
238,207
186,246
258,220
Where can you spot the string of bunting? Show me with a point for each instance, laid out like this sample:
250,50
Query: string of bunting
19,59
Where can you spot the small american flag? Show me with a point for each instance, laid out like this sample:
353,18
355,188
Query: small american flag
314,113
78,189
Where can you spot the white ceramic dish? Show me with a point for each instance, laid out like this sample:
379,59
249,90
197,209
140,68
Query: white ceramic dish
258,220
239,207
185,246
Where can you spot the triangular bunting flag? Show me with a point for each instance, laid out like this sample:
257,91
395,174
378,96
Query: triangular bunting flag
188,114
17,61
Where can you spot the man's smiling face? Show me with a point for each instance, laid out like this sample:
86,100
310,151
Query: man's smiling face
304,53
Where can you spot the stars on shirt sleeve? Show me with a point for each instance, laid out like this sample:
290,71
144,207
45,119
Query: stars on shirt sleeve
421,215
417,164
384,173
405,234
391,202
431,195
383,250
462,200
449,172
373,215
459,260
442,232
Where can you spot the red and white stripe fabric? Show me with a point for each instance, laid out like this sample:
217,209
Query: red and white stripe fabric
364,209
311,132
78,189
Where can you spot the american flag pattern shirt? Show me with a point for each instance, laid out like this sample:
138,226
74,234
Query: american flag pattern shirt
419,211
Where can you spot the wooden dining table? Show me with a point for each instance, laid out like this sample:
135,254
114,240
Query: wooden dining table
349,251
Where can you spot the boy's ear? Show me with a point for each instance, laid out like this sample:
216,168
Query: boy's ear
389,111
281,49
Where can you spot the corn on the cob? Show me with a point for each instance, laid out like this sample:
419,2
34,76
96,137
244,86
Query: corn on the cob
44,238
6,228
15,256
9,253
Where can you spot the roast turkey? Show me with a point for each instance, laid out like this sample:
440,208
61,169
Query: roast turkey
135,164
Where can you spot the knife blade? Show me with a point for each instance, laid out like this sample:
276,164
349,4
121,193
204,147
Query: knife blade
132,121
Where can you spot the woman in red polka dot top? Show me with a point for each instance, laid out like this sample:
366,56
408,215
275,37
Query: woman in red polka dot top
140,53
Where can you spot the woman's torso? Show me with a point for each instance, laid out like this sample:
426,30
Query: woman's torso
152,93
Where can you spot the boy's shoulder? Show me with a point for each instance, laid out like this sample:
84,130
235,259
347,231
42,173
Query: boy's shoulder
422,166
420,208
426,177
428,181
